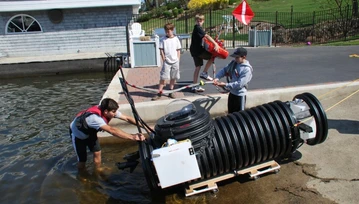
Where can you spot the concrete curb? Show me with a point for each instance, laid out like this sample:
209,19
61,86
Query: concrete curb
152,111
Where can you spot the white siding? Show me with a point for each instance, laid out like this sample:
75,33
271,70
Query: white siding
83,30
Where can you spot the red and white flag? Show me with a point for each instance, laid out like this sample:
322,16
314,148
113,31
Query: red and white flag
243,13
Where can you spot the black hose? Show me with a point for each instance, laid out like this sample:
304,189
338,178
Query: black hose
194,127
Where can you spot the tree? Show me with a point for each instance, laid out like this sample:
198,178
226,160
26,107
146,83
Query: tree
341,3
153,3
344,19
355,8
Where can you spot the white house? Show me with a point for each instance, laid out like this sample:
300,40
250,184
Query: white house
59,27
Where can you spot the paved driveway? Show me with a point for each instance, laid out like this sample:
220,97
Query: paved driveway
274,67
291,66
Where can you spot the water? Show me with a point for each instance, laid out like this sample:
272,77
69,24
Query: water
37,161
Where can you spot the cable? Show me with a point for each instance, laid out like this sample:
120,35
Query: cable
138,119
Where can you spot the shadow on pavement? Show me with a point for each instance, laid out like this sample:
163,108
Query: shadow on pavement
344,126
207,103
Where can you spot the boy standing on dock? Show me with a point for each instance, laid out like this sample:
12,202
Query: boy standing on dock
199,53
238,73
170,48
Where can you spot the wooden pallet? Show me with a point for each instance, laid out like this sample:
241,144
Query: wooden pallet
211,184
257,170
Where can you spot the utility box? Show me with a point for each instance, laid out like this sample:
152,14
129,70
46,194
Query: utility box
260,37
176,164
144,51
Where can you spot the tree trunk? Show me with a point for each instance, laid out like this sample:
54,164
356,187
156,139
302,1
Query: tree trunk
355,8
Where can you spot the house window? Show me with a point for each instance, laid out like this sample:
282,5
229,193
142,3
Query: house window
23,24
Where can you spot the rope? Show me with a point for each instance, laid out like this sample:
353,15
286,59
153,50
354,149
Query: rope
319,97
201,83
342,100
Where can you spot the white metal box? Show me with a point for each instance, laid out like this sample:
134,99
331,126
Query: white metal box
175,164
144,53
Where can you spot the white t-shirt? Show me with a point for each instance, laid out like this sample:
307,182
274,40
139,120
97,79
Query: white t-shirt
170,47
93,121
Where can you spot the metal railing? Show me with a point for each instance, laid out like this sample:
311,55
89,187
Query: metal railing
288,27
112,63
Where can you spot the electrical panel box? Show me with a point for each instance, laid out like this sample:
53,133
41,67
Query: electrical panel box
176,164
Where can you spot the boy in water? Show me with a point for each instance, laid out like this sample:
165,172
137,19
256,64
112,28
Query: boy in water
84,128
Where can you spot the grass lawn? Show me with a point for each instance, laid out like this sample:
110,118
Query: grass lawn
343,43
264,12
285,5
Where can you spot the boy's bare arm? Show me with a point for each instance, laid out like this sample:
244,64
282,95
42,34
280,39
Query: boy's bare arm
162,55
121,134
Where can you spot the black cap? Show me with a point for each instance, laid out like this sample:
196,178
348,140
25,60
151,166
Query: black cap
240,52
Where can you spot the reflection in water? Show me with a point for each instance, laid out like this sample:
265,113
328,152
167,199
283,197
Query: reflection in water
37,158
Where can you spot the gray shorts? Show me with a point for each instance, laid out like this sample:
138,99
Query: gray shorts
170,71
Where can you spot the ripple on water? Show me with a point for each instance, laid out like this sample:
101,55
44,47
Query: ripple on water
35,115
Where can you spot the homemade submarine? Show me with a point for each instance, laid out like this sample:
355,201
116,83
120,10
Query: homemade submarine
201,151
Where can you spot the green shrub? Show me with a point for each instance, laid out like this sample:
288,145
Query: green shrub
144,17
167,14
180,10
220,4
172,5
158,12
175,12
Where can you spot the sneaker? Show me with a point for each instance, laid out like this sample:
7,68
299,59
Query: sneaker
205,76
196,89
171,95
158,96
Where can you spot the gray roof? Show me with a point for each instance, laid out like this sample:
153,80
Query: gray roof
30,5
